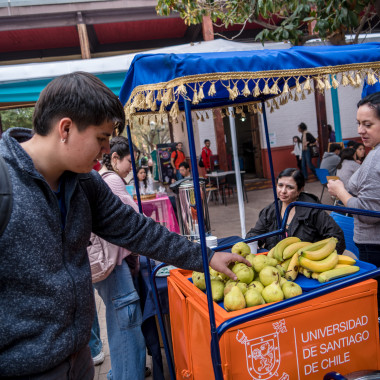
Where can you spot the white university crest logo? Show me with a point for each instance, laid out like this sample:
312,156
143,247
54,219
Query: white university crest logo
263,353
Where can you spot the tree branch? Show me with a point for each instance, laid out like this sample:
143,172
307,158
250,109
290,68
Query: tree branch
362,23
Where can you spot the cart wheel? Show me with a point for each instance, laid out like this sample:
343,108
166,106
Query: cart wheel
334,376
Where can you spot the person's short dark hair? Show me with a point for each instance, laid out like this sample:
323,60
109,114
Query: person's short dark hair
184,164
295,174
302,127
297,138
351,144
80,96
329,128
373,101
334,147
206,140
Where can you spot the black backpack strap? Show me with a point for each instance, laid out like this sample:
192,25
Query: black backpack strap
6,199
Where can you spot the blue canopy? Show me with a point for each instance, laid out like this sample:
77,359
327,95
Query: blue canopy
160,82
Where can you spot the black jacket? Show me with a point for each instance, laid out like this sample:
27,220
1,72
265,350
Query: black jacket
308,224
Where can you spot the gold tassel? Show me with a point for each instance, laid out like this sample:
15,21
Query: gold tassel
351,80
285,90
228,113
183,117
174,110
344,80
371,79
274,90
182,90
298,86
358,80
246,91
320,84
195,97
196,114
266,90
276,104
149,99
222,114
267,103
271,109
162,108
296,99
207,116
334,82
242,114
202,117
238,110
259,108
327,83
159,95
307,85
154,106
256,91
290,95
212,90
303,96
201,94
168,97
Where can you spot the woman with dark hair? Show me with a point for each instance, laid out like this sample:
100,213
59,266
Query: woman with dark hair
145,182
363,189
359,155
115,281
347,165
308,140
306,223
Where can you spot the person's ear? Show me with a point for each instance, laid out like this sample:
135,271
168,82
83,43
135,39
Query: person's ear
64,126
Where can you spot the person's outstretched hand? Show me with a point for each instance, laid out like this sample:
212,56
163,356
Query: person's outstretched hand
221,260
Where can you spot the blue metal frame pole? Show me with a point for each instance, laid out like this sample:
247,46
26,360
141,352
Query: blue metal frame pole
271,164
137,187
215,353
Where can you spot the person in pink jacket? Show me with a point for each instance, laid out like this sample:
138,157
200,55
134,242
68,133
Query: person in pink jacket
113,278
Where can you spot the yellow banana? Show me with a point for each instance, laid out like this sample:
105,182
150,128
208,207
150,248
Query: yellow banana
341,266
321,252
343,259
322,265
293,267
280,246
271,253
291,249
285,264
315,275
307,273
337,273
314,246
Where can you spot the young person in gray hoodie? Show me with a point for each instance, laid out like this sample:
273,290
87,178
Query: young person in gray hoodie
46,296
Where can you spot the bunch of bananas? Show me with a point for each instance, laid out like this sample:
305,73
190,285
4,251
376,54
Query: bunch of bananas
314,260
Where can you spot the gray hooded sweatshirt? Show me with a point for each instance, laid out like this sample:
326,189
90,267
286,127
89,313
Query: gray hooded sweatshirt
46,297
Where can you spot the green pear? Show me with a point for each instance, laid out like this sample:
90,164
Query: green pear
223,276
243,286
257,285
268,275
250,258
261,261
217,290
291,289
241,248
272,293
243,272
282,281
234,299
253,297
229,286
199,280
213,272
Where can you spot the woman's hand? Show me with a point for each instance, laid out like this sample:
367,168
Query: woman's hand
336,189
221,260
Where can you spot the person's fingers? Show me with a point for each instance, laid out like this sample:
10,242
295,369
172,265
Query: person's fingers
241,259
229,273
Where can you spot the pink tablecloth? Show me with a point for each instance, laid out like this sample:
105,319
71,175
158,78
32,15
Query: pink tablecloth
161,210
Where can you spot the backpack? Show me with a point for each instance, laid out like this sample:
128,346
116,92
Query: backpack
6,200
200,162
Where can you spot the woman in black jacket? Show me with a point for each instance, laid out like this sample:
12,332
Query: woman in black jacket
306,223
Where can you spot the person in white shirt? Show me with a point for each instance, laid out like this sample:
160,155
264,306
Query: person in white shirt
297,151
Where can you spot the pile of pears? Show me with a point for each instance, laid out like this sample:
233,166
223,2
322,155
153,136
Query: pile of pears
262,283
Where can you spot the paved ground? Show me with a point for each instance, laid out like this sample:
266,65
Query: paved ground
225,221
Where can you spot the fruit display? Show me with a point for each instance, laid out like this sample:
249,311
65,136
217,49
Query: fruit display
271,276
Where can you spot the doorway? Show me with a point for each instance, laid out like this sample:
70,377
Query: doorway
248,142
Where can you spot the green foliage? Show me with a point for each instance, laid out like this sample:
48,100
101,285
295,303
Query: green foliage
18,117
281,19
